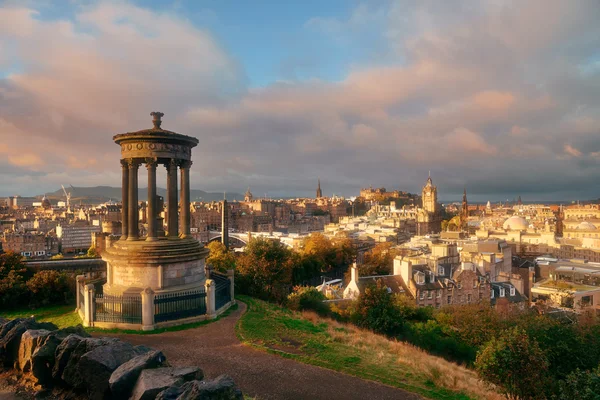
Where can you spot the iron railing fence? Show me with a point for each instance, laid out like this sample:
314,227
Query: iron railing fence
222,289
118,309
179,305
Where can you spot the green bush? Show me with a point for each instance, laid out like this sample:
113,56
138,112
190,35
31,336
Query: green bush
515,364
375,310
50,287
308,298
581,385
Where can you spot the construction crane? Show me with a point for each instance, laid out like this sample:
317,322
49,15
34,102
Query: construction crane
68,196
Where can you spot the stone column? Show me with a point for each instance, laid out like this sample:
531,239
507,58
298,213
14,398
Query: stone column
90,294
133,200
125,199
211,311
147,309
172,199
185,198
80,279
230,275
151,218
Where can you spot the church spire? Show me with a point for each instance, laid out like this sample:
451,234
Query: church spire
319,191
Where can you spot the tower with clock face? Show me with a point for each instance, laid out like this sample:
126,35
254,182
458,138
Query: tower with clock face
429,197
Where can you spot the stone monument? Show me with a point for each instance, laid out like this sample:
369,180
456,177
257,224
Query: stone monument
164,261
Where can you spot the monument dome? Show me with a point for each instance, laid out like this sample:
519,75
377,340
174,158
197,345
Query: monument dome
515,223
586,226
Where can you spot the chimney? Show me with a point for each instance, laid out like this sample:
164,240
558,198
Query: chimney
354,273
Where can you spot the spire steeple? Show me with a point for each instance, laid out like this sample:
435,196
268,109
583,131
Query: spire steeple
319,191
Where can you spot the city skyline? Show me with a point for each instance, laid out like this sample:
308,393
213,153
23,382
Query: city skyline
357,94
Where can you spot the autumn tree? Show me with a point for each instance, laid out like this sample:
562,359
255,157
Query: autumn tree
220,258
265,269
515,364
379,260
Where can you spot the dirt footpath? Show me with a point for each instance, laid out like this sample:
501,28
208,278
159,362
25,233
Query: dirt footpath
216,349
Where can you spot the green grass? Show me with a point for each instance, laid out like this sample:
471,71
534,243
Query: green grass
278,330
62,316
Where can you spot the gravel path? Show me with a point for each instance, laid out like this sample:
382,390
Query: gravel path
216,349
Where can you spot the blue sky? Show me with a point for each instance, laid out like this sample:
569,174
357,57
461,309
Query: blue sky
493,95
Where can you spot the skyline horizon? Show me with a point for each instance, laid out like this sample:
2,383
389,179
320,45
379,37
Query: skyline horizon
452,198
280,94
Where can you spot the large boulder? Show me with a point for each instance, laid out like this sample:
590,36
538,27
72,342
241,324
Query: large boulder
125,376
11,333
222,388
43,358
153,381
30,340
97,365
63,354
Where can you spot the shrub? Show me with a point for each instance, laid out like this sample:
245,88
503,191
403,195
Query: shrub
13,275
581,385
375,310
308,298
50,287
515,363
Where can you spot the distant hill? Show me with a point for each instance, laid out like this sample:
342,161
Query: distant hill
102,194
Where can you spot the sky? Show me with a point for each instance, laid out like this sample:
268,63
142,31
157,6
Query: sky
500,97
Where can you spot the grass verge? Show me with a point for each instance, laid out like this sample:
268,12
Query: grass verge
64,316
323,342
61,316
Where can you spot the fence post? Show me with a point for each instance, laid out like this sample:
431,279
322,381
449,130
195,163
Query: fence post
90,294
79,279
211,312
147,309
230,275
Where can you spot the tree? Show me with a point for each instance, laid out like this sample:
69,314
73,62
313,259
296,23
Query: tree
580,385
375,310
50,287
265,269
515,364
92,252
379,260
13,275
220,258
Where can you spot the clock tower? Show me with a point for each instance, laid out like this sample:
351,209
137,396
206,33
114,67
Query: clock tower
429,196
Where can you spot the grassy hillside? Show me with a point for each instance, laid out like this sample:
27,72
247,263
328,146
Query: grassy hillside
308,338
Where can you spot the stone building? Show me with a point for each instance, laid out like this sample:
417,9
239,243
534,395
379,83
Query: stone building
76,237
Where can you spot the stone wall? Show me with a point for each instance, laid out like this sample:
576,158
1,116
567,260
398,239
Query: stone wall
74,365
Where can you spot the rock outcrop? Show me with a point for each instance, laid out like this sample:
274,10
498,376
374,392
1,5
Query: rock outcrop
101,368
124,378
222,388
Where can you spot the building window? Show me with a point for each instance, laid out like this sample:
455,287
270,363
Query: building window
469,297
474,283
439,293
459,285
449,299
502,292
440,270
430,294
421,295
512,291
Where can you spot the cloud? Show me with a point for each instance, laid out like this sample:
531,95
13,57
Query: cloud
500,98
